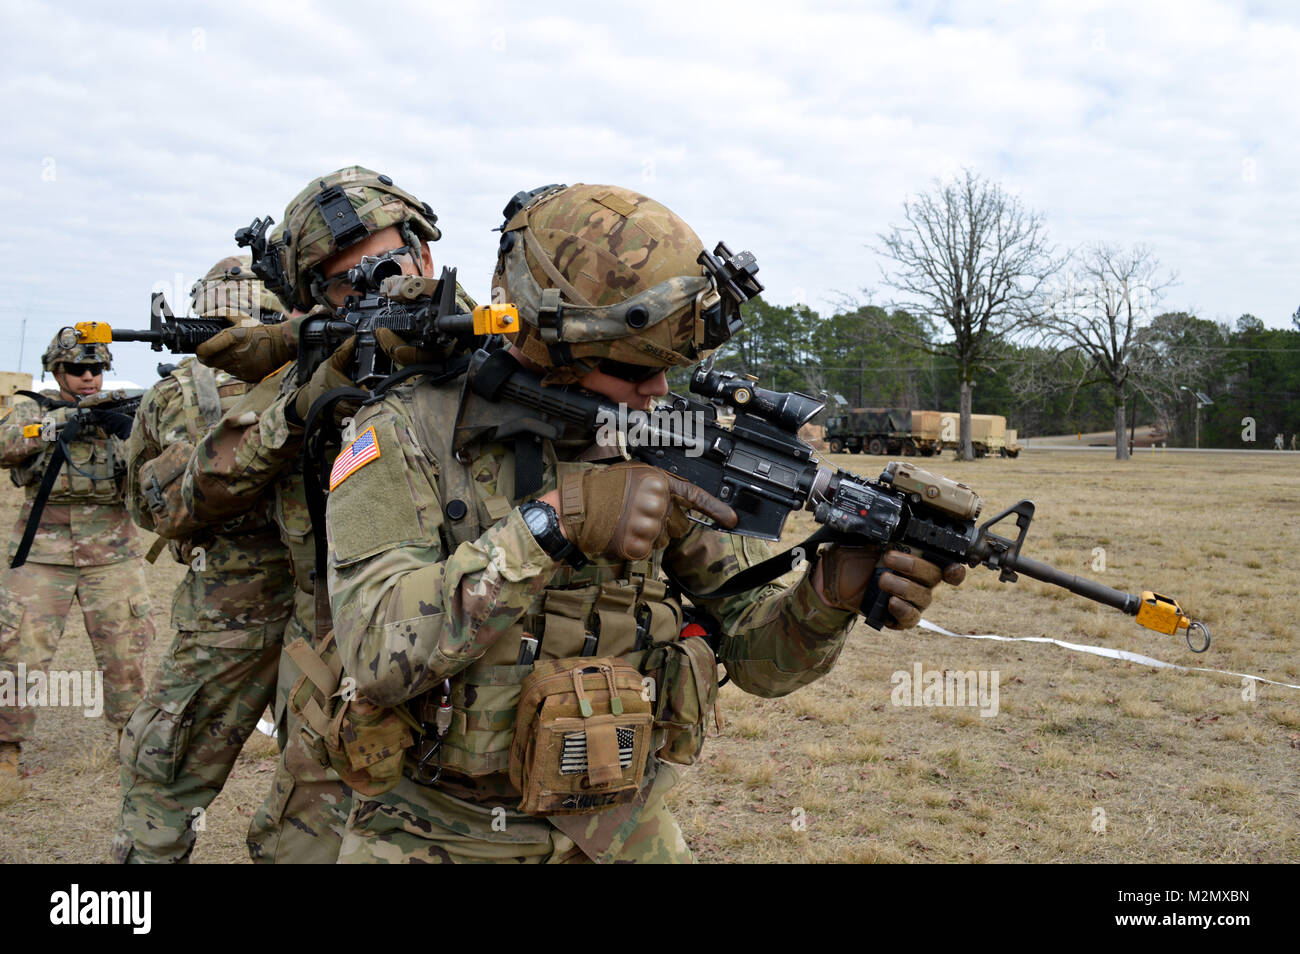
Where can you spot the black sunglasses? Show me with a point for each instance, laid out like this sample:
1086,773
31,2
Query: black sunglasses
77,370
632,373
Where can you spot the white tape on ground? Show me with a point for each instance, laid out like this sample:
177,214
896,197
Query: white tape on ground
266,727
1100,651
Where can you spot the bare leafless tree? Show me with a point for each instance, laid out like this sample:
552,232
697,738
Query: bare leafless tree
974,262
1108,297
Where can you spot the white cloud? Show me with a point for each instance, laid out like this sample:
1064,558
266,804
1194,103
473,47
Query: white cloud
139,139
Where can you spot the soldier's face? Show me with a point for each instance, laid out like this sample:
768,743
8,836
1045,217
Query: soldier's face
638,396
335,268
79,380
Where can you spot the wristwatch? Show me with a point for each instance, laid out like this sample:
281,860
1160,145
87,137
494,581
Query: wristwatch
544,524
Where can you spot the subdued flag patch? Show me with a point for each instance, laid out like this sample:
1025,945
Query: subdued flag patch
353,457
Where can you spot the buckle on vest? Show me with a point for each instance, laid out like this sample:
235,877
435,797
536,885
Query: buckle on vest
153,496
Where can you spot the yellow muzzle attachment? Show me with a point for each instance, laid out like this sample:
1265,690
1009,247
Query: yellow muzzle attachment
1164,615
495,319
94,332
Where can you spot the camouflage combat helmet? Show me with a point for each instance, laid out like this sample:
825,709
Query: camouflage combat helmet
232,292
601,273
65,348
331,214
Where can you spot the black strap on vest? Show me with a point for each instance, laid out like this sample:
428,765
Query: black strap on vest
38,503
528,465
46,402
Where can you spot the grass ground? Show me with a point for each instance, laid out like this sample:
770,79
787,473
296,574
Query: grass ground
1086,760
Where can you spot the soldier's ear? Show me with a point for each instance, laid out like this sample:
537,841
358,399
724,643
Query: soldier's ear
426,259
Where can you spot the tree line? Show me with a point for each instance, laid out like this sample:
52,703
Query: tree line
990,318
1251,373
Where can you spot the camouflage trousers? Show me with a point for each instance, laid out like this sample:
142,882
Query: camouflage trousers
182,740
35,602
303,817
417,825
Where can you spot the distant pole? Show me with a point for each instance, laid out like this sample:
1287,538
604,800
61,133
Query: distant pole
22,343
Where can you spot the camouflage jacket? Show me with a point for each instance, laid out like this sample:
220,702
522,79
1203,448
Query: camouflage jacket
238,571
419,596
254,452
253,449
84,523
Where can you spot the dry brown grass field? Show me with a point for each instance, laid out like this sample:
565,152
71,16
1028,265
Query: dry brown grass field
1087,759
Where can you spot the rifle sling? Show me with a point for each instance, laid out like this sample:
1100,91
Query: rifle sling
38,505
755,576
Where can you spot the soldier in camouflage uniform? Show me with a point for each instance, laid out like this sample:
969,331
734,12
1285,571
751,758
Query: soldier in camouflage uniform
445,563
86,547
327,228
229,612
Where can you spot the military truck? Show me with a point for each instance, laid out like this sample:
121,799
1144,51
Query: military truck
927,432
988,434
875,430
895,431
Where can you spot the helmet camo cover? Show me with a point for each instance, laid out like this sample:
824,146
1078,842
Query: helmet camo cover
230,291
335,212
604,272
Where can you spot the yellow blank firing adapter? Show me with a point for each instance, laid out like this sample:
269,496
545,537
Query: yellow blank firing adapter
32,430
1164,615
495,319
94,332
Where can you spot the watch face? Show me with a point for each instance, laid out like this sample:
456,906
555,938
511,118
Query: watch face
537,520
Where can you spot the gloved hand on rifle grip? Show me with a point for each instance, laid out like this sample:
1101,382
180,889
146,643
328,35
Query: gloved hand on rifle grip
628,510
843,574
332,373
111,422
401,351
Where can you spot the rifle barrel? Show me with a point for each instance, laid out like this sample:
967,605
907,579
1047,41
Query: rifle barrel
1089,589
127,334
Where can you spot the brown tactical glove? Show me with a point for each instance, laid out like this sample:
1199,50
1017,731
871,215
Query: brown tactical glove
252,352
629,510
332,373
845,573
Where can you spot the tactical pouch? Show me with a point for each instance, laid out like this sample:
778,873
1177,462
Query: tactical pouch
366,745
686,682
582,736
485,700
161,487
157,735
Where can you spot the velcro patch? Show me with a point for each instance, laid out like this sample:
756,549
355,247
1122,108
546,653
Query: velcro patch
353,457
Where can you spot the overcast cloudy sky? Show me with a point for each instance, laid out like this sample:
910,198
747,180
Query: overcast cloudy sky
138,137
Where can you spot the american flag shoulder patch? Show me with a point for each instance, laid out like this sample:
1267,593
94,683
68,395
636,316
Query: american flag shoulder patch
353,457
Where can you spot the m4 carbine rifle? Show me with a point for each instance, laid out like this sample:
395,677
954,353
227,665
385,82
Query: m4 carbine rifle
761,468
177,335
111,411
422,311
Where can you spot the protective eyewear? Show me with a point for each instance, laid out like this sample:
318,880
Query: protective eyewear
77,370
624,371
337,288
